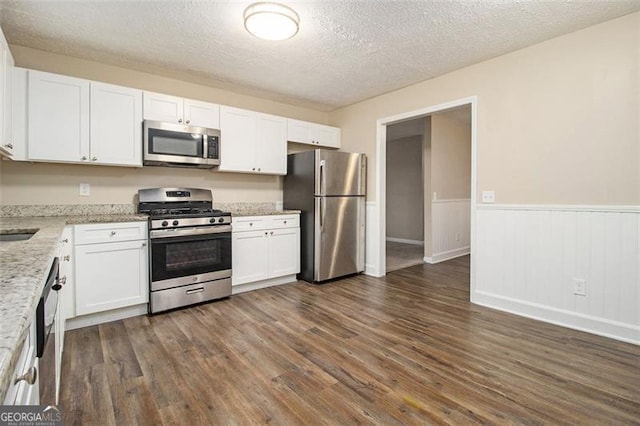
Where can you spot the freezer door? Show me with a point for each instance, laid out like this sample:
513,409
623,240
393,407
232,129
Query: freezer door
340,173
339,237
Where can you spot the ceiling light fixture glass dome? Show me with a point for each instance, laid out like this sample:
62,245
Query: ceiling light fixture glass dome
271,21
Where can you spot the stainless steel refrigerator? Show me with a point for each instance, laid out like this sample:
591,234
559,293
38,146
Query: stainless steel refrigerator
329,188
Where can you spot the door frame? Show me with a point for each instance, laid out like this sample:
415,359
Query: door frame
381,173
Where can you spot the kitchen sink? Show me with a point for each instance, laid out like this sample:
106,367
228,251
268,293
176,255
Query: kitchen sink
18,235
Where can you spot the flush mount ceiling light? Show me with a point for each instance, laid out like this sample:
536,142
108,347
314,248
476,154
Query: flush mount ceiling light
271,21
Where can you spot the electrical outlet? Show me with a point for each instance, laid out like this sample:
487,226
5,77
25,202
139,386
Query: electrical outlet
85,189
488,196
579,287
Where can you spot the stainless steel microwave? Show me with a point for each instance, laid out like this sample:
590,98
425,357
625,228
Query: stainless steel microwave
169,144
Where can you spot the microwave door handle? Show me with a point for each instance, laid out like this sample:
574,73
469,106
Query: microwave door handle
205,147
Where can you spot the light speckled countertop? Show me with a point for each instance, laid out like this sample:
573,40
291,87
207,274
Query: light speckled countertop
24,267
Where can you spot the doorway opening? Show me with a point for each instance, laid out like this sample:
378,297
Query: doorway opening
398,130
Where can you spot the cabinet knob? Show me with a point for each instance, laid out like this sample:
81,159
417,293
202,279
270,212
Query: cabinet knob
144,244
259,169
285,222
84,158
112,233
66,240
30,376
254,169
67,258
271,232
179,120
188,121
266,233
94,159
250,223
9,145
63,280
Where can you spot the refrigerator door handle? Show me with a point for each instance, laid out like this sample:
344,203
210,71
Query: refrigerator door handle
321,183
321,212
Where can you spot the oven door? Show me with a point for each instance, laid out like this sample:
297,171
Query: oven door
189,256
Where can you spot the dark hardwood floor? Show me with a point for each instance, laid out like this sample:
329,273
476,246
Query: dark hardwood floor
405,349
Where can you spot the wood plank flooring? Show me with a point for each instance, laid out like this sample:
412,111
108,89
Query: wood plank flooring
404,349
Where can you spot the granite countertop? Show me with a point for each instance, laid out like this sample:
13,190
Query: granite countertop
24,267
262,212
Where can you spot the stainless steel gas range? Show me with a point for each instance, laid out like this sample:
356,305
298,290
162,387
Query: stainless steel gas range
190,247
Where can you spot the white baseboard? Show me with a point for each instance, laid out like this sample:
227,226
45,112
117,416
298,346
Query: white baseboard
108,316
447,255
241,288
590,324
405,241
371,270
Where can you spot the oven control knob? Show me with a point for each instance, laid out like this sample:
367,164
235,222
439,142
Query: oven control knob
165,223
221,220
175,223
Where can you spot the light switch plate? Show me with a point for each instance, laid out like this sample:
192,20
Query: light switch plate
488,196
85,189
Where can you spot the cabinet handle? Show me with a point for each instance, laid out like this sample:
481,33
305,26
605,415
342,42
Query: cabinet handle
30,376
250,223
94,159
67,258
285,222
188,121
180,120
9,145
62,280
84,158
266,233
112,233
144,244
271,232
66,240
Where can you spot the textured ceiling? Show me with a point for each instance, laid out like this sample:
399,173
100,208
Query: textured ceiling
345,51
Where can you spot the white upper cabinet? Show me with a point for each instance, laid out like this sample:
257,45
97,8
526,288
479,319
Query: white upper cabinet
313,134
78,121
6,73
116,132
203,114
173,109
252,142
58,118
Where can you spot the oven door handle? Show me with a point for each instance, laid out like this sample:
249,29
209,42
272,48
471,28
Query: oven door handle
185,232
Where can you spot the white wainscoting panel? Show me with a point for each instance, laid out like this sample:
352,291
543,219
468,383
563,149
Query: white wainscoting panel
527,260
372,238
450,229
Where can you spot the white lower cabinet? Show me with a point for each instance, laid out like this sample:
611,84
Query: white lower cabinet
110,266
23,383
265,247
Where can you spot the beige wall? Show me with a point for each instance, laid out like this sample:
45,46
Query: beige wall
426,174
43,183
39,183
558,122
405,196
450,157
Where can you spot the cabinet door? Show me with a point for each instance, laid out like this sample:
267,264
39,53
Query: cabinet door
203,114
110,276
284,252
237,140
116,125
249,257
6,73
58,118
271,144
327,136
162,107
299,131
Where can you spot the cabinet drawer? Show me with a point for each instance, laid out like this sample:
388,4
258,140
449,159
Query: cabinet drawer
289,221
249,223
21,367
110,232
